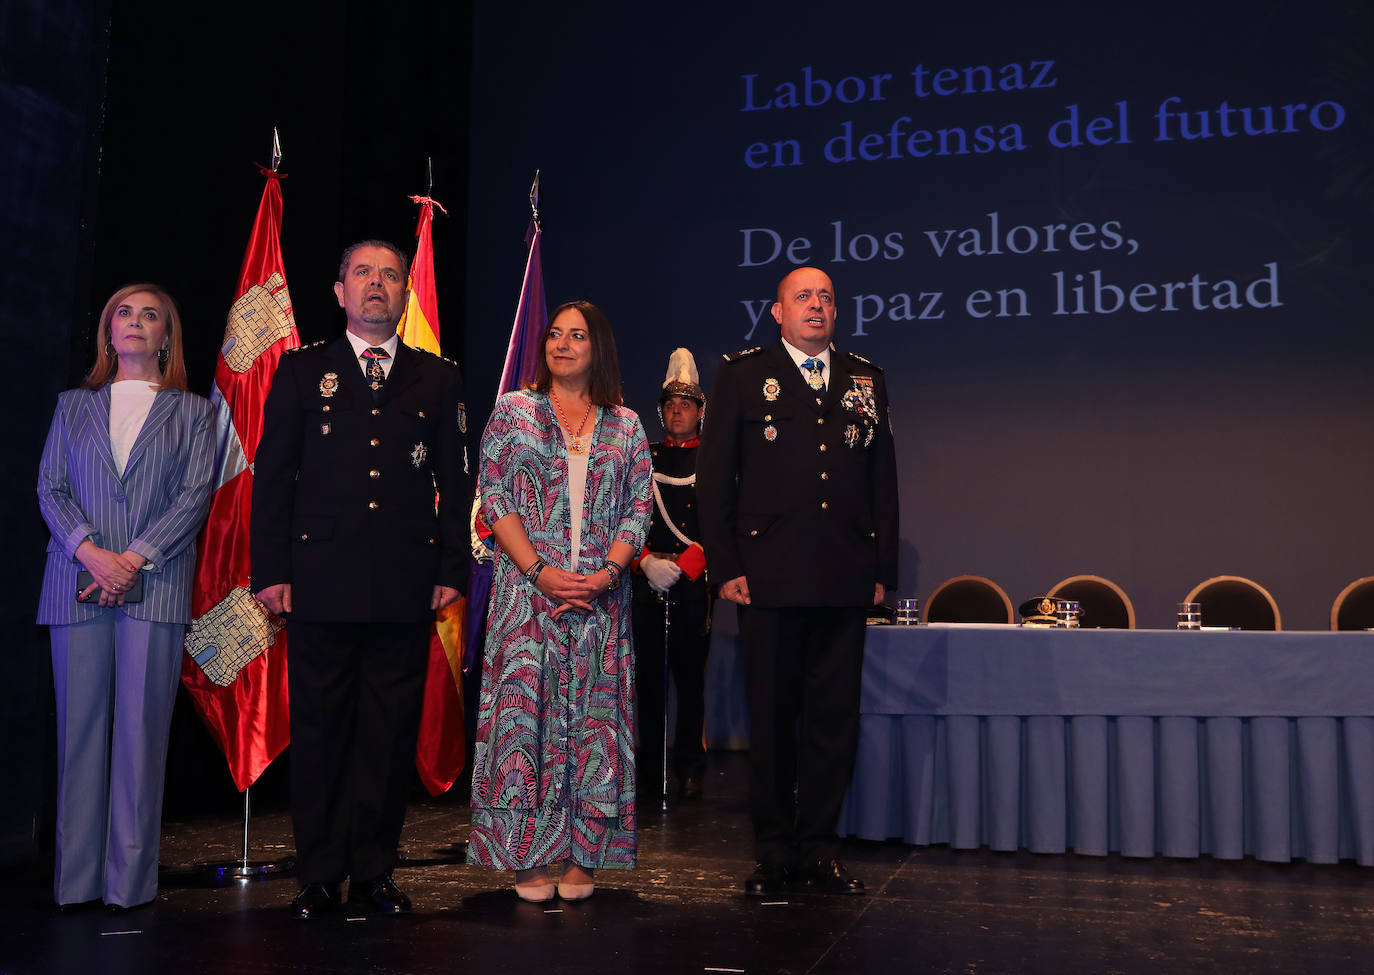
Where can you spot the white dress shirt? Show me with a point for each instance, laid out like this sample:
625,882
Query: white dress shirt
362,345
798,356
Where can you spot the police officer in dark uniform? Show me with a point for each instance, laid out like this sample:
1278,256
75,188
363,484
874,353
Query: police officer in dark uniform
359,434
798,487
670,581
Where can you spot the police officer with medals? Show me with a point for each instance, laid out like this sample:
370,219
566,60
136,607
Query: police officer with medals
671,595
347,541
798,494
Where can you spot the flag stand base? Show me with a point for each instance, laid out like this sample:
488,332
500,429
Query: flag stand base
243,869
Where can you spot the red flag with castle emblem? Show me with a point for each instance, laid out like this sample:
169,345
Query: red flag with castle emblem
235,661
439,750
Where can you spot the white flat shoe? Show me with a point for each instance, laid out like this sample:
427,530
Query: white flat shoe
535,893
536,886
575,892
580,887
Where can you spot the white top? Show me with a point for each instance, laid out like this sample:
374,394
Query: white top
130,401
577,496
361,345
798,356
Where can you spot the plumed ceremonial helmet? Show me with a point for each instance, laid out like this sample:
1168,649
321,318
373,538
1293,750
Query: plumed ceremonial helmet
682,380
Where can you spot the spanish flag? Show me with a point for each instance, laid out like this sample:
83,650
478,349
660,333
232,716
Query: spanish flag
439,750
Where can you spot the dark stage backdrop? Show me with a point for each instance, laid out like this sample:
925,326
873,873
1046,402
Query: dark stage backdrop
136,128
1116,260
51,84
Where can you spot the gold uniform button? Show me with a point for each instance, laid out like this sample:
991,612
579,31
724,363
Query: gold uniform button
421,414
872,534
823,448
767,417
431,541
327,407
753,531
825,476
820,419
825,505
305,536
374,474
374,441
376,412
373,505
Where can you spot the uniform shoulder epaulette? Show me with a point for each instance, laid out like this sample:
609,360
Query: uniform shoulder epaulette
741,354
442,358
871,365
302,348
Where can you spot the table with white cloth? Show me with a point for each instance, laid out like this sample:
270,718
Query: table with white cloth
1142,742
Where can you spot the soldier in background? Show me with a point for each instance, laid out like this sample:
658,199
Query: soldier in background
670,580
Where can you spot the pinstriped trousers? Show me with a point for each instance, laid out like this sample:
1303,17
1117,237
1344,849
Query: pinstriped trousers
116,681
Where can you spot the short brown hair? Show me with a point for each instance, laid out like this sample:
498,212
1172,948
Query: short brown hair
107,362
603,385
401,255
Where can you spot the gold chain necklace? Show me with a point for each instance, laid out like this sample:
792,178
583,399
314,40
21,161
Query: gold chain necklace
575,442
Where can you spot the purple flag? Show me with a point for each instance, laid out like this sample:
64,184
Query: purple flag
531,315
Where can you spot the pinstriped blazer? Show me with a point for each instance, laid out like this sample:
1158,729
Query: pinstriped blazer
155,509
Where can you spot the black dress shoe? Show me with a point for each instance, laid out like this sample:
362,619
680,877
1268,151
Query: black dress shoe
766,880
830,877
79,907
124,908
314,900
380,895
690,789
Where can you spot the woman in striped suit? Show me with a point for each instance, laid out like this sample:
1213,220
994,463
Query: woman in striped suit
124,485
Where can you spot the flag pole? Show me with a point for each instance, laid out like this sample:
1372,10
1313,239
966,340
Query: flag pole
245,870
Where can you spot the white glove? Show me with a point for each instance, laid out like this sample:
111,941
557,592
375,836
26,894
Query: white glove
661,573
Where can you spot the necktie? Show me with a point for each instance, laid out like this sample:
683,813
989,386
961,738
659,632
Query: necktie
376,375
814,369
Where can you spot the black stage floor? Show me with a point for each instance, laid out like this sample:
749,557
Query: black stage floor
926,910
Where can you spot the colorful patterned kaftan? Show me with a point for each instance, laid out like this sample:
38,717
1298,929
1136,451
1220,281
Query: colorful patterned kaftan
553,774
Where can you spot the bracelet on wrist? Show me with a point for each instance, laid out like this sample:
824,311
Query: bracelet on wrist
532,573
614,570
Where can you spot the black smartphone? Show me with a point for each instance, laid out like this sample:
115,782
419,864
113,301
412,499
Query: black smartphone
84,579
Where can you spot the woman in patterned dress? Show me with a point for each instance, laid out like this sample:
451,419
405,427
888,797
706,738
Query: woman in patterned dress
564,468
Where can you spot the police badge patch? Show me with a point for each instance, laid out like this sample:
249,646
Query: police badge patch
418,454
771,389
329,384
770,433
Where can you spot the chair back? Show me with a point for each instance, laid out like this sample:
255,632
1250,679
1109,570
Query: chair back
1236,601
968,599
1354,607
1104,605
